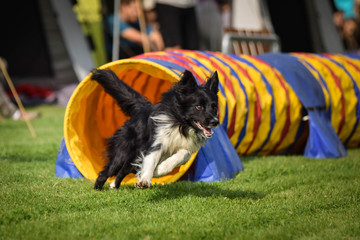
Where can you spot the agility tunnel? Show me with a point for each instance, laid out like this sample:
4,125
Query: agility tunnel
269,104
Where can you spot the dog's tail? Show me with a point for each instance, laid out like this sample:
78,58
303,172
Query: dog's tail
127,98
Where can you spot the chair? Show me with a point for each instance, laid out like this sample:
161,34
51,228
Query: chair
249,42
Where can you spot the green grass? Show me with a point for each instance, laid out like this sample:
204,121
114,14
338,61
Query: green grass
276,197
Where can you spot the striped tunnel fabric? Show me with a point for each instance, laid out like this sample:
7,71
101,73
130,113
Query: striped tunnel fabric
340,77
269,104
258,109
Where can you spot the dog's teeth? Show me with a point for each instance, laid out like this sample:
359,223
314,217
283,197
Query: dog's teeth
206,131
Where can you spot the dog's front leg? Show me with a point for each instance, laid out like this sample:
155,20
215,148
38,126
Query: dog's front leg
147,170
166,166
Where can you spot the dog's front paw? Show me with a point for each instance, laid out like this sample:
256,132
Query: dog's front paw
142,184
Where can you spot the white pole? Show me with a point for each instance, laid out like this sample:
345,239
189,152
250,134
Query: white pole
116,37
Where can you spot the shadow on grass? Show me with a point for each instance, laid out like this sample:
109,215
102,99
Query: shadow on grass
198,189
245,159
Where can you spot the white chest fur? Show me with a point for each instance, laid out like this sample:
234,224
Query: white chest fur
174,150
171,140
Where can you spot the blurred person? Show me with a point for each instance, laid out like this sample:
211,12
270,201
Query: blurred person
339,19
151,15
357,19
131,37
350,34
178,24
10,110
214,13
347,6
357,9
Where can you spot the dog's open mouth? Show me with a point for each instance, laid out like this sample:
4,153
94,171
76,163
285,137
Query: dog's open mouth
207,132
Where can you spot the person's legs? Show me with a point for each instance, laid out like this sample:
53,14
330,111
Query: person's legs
190,31
7,108
129,51
208,14
170,22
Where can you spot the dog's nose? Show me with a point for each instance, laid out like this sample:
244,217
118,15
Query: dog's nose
214,122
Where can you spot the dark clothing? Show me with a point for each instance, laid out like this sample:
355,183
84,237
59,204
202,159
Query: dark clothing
178,26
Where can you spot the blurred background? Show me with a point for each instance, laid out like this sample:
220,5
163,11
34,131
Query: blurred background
49,46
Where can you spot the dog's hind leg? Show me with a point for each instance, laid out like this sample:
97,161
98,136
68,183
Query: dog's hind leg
103,176
110,169
125,170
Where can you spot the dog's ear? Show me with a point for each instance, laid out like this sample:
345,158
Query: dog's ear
188,80
187,83
213,83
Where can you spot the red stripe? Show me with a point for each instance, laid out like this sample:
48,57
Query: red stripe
188,60
286,128
352,64
146,84
173,60
122,74
157,92
137,76
228,83
231,127
338,85
328,55
257,113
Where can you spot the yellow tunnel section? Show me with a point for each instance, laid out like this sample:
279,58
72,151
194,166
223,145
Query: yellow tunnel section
92,115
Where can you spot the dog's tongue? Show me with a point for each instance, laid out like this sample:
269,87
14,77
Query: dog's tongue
207,132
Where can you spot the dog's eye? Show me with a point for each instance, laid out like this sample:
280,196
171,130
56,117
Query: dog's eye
199,107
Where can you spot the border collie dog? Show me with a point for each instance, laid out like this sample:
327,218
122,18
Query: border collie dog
157,137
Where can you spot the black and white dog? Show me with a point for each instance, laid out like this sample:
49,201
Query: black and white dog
158,137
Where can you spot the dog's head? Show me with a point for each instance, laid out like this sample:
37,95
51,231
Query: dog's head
198,105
